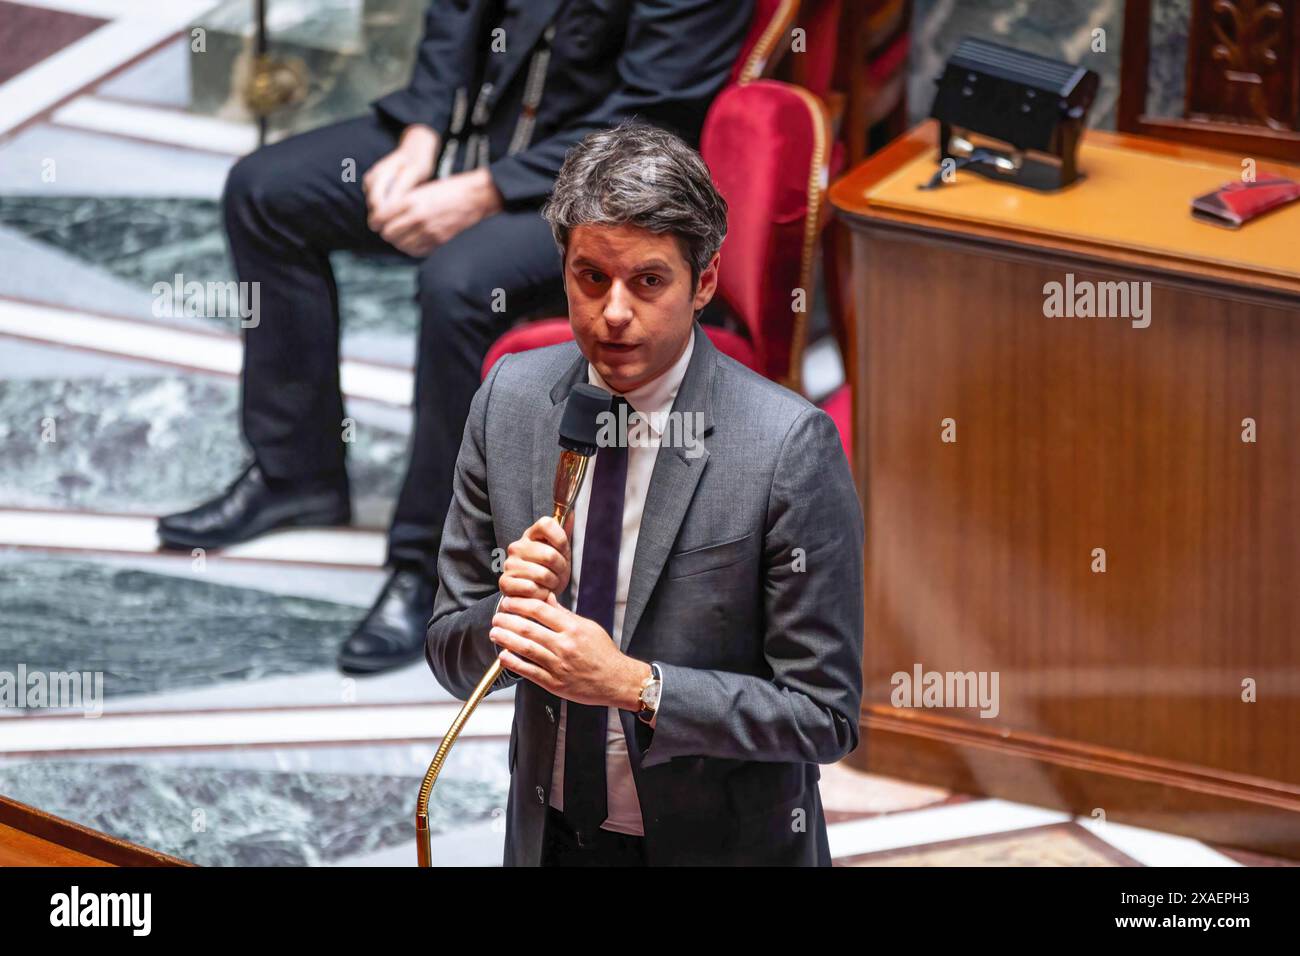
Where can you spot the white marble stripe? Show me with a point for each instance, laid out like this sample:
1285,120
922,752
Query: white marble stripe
392,386
474,844
104,9
318,545
330,687
149,732
159,125
935,825
221,354
135,339
1152,848
135,534
95,55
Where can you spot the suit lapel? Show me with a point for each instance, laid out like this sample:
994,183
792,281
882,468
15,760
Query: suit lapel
672,486
529,21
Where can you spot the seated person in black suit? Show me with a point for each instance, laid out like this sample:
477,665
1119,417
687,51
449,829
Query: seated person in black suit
451,171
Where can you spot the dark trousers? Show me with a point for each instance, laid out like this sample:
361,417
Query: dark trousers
561,846
289,205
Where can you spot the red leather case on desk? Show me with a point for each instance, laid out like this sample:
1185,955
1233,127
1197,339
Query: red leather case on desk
1240,202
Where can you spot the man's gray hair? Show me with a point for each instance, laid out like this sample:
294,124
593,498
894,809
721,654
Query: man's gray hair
640,175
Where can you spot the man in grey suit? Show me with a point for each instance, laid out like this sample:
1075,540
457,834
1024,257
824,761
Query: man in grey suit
676,712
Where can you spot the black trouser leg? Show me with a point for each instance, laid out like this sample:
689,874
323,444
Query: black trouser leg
471,290
287,207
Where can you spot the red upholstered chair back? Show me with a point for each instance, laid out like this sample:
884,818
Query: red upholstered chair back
820,20
767,146
763,45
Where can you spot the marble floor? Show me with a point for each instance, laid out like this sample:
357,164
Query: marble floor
222,732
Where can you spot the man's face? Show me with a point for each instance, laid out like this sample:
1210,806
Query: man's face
631,304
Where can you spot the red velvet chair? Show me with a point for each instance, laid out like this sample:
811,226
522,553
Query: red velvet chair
763,49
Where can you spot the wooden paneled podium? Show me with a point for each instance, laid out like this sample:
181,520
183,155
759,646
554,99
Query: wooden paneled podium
31,837
1073,502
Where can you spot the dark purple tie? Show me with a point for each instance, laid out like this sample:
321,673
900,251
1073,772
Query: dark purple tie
586,724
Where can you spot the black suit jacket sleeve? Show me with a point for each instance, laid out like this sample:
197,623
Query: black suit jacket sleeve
440,67
676,57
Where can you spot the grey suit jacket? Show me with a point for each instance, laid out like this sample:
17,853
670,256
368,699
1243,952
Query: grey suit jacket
746,589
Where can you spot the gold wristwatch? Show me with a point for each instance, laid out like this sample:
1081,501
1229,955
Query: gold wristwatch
650,689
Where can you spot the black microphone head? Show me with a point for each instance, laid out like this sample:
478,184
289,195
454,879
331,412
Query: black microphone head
581,420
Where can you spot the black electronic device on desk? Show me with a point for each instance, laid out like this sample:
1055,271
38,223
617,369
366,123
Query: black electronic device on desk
1011,116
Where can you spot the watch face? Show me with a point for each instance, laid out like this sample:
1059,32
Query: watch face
650,697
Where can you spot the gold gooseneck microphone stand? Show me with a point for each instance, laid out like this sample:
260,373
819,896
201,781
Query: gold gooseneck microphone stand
569,472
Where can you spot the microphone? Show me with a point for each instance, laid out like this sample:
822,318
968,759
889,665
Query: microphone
578,430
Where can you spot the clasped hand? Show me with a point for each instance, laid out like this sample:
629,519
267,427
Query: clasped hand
541,640
415,214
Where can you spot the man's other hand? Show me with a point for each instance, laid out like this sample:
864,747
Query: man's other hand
569,655
388,181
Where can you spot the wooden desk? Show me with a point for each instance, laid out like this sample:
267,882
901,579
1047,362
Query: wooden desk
31,837
1119,691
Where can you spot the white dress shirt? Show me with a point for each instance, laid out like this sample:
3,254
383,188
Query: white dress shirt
653,400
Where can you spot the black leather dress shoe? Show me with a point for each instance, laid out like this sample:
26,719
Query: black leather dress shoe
392,632
252,505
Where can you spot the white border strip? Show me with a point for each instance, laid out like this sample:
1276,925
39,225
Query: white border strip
1152,848
130,534
95,55
289,727
916,828
221,354
473,844
103,9
156,124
